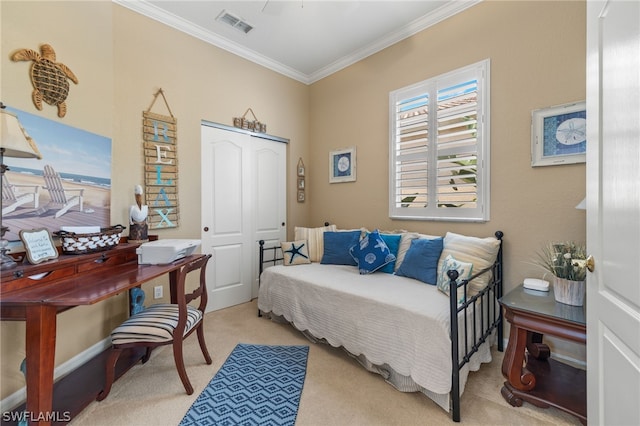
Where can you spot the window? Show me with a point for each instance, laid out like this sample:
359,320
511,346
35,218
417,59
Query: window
439,147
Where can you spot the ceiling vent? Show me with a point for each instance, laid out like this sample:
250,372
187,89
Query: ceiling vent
235,21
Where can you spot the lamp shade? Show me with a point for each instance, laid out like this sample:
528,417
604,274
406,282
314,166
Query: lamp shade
14,140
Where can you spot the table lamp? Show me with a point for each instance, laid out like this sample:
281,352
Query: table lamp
14,142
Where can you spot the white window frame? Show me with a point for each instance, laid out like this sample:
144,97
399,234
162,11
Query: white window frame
480,213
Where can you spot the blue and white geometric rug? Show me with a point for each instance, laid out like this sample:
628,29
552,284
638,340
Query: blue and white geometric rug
256,385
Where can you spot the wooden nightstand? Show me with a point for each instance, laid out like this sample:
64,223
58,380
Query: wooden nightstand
542,381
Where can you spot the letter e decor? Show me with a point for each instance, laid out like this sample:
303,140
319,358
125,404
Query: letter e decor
161,167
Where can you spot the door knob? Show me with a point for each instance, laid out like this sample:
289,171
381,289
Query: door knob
591,264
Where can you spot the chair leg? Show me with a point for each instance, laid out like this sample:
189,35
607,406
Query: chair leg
147,354
179,360
110,372
203,345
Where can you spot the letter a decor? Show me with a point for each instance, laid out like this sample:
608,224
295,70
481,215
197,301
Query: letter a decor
160,135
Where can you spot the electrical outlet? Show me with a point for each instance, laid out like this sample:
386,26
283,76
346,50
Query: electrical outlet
157,292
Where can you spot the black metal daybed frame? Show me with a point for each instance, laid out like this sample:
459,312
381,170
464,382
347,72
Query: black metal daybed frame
490,315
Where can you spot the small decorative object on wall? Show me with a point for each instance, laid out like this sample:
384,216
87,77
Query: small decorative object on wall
254,125
49,78
38,245
559,135
301,183
342,165
160,133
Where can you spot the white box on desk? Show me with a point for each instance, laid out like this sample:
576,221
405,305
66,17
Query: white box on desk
161,252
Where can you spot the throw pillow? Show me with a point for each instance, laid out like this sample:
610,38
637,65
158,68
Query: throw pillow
336,247
481,252
315,240
371,253
393,242
295,252
405,243
464,272
421,260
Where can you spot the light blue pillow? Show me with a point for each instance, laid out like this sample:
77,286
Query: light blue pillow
421,260
464,272
393,242
371,253
337,245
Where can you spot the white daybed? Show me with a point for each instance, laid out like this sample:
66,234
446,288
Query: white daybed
395,326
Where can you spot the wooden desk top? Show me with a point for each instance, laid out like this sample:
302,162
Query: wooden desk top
77,280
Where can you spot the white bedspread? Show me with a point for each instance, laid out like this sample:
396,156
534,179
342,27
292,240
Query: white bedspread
394,322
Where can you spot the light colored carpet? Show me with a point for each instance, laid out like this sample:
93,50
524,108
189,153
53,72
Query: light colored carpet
337,390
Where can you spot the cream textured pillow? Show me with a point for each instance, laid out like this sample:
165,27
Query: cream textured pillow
481,252
315,239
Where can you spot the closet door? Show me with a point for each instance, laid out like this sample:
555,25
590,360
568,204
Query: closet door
243,200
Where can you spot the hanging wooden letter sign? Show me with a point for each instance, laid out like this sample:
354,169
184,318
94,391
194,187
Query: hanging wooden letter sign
161,167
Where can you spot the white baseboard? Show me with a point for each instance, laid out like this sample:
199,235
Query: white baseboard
20,396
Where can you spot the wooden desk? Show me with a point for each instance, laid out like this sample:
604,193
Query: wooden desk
542,381
69,281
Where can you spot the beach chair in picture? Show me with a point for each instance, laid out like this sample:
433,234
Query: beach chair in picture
61,197
16,195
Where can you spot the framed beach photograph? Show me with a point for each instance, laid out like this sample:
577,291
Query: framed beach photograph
342,165
69,186
559,135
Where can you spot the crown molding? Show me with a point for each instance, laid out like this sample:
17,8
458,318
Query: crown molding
145,8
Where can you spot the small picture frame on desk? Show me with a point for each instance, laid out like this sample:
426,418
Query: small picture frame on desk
38,245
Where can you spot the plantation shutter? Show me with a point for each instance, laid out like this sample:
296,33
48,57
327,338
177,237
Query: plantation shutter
437,142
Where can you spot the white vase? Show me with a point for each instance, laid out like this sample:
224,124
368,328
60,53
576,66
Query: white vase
569,292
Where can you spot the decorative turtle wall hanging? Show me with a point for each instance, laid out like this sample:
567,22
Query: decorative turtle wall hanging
50,79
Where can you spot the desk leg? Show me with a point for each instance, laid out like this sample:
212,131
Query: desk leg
513,366
40,348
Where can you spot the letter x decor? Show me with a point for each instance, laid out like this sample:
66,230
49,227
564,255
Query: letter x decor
160,134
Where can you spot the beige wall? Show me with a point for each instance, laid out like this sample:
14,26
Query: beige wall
122,58
537,53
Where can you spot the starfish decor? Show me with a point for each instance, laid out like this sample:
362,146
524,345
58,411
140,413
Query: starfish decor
295,251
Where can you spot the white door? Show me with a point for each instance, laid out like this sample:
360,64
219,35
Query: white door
242,185
613,212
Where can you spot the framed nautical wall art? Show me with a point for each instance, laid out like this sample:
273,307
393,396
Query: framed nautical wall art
559,135
342,165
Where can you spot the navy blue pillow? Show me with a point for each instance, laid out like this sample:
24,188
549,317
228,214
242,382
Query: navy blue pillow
337,245
421,260
371,253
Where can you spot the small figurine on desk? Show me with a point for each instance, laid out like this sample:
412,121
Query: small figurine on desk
138,218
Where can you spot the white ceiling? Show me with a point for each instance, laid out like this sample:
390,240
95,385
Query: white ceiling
303,39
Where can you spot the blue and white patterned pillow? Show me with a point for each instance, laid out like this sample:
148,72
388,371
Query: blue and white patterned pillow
295,252
464,272
371,253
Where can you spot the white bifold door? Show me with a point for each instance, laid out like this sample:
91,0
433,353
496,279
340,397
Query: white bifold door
243,201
